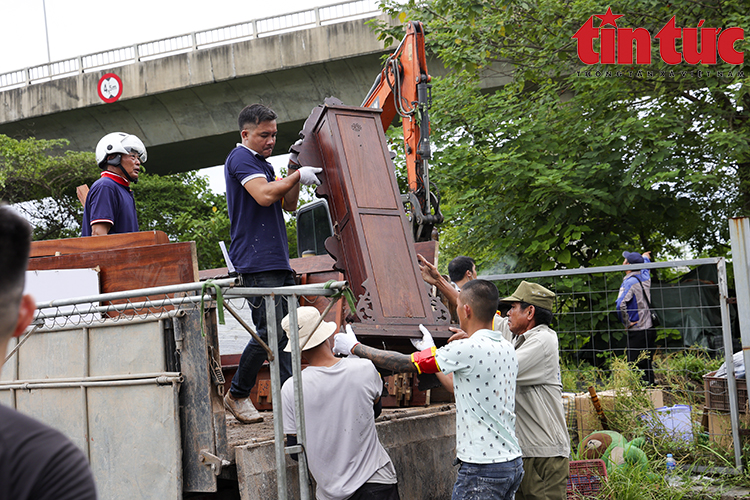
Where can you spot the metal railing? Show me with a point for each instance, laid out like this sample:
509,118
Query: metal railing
134,306
315,16
291,295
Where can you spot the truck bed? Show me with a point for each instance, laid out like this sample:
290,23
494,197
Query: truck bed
239,434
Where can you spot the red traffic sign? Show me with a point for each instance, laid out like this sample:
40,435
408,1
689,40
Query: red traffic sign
109,87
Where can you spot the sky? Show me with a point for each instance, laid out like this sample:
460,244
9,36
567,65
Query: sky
80,27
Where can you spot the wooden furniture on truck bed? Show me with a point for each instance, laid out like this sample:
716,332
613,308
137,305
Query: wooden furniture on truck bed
126,261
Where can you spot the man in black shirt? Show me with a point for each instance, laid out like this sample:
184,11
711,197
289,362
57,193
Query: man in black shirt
36,461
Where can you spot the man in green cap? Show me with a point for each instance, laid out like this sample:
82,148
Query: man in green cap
540,417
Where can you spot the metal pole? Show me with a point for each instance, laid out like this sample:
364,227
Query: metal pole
229,307
603,269
299,408
85,392
739,232
278,427
46,33
728,359
309,289
166,378
142,292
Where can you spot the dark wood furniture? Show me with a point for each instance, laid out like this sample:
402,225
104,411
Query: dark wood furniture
372,244
127,261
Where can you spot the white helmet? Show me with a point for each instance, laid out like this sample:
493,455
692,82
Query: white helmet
118,143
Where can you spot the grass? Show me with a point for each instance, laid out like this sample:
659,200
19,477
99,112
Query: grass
680,378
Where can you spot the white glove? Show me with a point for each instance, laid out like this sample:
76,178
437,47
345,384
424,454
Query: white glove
307,175
294,151
343,343
426,342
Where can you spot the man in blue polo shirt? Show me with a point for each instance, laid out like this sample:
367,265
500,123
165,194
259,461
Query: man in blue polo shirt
259,249
110,207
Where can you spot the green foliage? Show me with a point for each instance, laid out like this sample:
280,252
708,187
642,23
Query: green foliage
161,200
40,179
183,206
291,236
691,363
206,232
557,169
683,373
637,484
579,376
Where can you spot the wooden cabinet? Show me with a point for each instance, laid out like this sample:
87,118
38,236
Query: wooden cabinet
372,244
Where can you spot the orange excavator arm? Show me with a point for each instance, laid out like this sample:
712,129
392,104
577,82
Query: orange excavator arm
403,88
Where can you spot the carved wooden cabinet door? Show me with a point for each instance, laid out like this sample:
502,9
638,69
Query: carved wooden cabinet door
372,244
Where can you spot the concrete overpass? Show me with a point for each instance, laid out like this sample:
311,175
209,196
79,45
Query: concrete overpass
184,106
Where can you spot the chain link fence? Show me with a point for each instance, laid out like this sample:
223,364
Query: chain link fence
686,411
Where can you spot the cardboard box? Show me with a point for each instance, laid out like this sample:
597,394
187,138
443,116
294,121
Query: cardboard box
588,421
720,429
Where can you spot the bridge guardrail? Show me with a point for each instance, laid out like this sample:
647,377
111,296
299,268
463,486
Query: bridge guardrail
309,18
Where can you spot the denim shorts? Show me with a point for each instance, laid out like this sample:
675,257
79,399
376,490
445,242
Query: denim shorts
488,481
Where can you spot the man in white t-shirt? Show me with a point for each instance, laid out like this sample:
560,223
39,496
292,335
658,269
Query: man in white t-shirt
341,402
481,371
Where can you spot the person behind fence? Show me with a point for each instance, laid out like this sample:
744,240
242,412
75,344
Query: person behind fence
634,312
461,270
341,403
259,250
110,206
540,423
36,461
481,371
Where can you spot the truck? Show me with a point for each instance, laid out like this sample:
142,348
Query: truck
130,369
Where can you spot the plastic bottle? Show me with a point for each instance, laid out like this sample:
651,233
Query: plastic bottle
671,463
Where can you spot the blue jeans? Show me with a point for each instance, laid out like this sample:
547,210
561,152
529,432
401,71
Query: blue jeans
488,481
254,355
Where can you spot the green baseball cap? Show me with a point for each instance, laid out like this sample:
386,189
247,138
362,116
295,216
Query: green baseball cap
534,294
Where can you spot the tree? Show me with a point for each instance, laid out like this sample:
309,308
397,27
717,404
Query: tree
183,206
567,164
40,179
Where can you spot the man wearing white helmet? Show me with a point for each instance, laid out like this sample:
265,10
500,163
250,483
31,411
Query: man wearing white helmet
110,207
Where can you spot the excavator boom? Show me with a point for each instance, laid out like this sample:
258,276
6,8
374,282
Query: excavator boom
403,88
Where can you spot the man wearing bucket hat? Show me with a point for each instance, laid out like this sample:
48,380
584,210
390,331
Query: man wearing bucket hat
540,424
341,402
633,309
481,371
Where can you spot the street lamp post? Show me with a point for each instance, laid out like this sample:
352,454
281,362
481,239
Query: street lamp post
46,33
